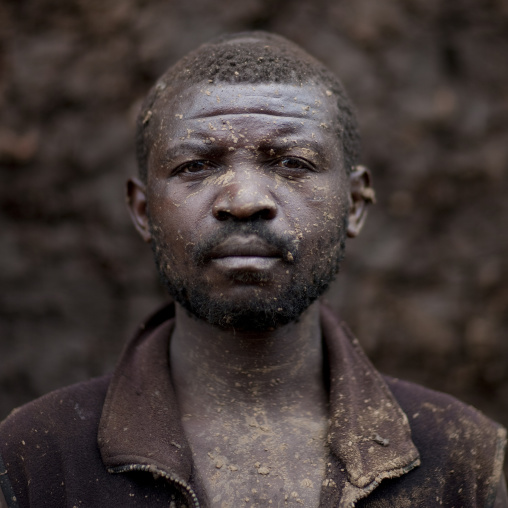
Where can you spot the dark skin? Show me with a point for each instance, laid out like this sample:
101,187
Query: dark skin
253,404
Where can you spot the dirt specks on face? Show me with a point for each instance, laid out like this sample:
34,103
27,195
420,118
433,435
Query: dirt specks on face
223,179
263,470
306,483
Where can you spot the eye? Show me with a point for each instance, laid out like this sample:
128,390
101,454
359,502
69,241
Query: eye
294,164
194,167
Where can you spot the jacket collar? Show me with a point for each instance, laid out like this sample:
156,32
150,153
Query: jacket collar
140,424
369,433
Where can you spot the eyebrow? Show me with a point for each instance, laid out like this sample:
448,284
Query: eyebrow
280,145
183,148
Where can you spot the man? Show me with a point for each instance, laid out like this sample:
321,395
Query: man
248,391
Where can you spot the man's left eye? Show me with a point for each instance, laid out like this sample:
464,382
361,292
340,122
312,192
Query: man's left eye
193,167
293,163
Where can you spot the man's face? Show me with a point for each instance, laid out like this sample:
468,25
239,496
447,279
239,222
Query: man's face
247,200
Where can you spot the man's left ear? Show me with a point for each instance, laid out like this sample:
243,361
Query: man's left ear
361,195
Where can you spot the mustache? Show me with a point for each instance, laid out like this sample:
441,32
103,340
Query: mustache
286,246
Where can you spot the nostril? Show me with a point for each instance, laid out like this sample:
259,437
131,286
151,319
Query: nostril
265,214
222,215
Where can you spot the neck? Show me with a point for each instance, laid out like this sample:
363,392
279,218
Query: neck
214,367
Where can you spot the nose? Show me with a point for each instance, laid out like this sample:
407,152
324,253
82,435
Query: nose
245,199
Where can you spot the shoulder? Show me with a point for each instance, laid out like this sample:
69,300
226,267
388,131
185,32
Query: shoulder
453,438
437,412
37,439
56,417
79,404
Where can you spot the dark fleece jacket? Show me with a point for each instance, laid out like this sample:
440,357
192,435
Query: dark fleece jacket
117,441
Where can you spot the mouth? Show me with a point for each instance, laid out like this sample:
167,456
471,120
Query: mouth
249,253
244,246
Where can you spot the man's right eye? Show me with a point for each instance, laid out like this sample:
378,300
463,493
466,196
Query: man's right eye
194,167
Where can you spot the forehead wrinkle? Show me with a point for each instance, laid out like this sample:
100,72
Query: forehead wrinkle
243,122
246,112
237,99
195,132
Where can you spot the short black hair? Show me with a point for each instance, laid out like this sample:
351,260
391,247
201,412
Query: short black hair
249,57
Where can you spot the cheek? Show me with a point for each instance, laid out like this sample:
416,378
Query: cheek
321,221
177,215
323,207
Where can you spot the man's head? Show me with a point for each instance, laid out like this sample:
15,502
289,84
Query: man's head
249,58
247,150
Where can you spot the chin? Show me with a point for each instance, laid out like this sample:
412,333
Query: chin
256,314
253,319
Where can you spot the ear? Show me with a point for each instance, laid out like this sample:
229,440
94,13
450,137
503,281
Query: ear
136,201
361,195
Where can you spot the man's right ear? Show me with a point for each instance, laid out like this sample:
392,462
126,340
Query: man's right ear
136,201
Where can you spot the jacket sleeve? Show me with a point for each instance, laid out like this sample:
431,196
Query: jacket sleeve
502,495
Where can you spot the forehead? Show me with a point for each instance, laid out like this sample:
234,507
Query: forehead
303,101
247,106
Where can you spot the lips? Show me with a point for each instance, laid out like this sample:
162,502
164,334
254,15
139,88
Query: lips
242,254
244,246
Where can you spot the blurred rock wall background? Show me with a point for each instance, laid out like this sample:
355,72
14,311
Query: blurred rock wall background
425,287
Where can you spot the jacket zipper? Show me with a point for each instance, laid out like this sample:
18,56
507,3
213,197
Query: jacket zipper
187,489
